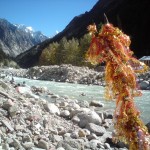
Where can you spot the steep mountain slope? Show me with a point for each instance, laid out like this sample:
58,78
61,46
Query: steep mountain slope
15,40
37,35
131,16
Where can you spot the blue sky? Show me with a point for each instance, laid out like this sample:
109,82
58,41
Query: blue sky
47,16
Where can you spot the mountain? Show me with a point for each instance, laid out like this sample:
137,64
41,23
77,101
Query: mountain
37,35
132,16
15,39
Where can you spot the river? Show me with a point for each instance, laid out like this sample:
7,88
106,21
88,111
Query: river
88,93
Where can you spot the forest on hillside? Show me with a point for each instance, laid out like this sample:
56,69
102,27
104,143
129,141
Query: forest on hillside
66,52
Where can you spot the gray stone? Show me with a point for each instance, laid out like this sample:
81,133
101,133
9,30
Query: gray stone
87,132
143,85
89,117
121,145
84,104
4,85
96,104
108,114
43,144
55,96
107,135
16,144
52,108
65,113
74,135
91,136
27,138
55,138
93,144
8,125
106,145
5,146
98,130
63,104
107,123
101,114
75,120
13,110
9,141
3,112
69,145
62,132
28,145
7,104
19,127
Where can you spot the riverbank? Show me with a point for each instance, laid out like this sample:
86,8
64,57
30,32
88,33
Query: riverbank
28,121
71,74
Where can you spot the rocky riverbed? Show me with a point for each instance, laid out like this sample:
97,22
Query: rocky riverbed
71,74
29,122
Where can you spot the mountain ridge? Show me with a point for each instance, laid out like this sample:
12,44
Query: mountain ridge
15,40
130,16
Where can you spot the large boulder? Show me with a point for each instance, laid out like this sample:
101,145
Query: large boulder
88,117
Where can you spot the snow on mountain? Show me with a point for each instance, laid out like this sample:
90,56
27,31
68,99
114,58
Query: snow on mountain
16,39
35,34
25,28
29,29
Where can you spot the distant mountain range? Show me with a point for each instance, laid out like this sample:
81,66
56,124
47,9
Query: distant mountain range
132,16
16,39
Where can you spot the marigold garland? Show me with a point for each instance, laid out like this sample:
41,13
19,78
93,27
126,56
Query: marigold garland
111,45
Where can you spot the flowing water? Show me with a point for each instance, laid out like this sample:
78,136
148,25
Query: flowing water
88,93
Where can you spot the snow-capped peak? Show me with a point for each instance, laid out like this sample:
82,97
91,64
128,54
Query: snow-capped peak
25,28
31,31
30,28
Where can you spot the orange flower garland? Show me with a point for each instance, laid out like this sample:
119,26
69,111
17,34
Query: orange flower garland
111,45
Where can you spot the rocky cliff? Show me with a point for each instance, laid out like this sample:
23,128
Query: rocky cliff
15,40
130,16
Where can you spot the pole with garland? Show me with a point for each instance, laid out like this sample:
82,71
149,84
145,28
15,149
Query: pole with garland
111,45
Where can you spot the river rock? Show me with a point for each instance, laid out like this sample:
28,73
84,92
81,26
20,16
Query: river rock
92,136
52,108
96,104
81,133
13,110
98,130
43,144
148,126
7,104
106,136
4,85
28,145
65,113
69,145
90,117
144,85
108,114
